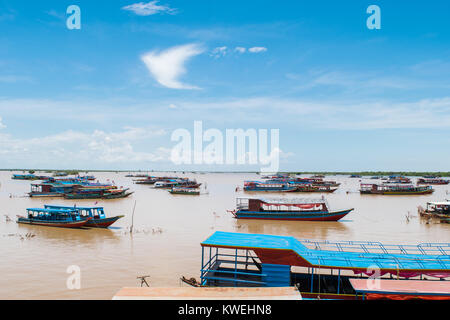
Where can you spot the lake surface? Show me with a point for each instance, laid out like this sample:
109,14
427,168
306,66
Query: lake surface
169,229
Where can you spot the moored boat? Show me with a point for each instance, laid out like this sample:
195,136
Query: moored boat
96,215
435,210
268,186
61,218
315,188
323,269
97,193
395,189
185,190
432,181
287,209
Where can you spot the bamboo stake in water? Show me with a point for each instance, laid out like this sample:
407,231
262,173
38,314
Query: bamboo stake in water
132,218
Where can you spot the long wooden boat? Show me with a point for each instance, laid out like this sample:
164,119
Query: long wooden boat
314,181
439,210
287,209
185,191
117,195
268,186
98,194
95,216
324,269
315,188
61,218
387,189
432,181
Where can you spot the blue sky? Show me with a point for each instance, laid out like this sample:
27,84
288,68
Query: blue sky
108,96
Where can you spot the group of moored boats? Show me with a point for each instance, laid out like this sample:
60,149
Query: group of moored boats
325,269
399,185
175,185
285,183
77,188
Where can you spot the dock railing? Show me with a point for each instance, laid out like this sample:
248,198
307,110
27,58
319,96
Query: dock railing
239,267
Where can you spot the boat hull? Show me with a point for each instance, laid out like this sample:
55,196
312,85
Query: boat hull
398,193
102,223
301,216
46,195
270,190
185,193
54,223
313,189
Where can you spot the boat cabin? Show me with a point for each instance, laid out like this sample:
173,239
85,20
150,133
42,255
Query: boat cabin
93,212
284,205
439,207
43,214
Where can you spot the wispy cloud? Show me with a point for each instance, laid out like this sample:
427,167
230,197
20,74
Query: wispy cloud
14,79
167,66
148,9
219,52
2,126
224,50
257,49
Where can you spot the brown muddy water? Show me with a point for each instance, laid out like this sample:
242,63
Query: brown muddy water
168,232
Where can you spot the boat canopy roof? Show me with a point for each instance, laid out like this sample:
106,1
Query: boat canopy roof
353,255
288,201
72,207
53,210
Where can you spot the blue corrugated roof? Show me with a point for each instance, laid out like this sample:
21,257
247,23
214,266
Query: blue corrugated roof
367,257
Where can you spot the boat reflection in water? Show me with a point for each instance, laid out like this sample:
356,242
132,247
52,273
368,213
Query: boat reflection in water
311,229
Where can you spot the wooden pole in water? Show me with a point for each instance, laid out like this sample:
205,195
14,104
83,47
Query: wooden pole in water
132,217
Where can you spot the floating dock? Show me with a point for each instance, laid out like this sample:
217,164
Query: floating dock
188,293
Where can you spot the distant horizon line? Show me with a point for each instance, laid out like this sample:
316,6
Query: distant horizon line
373,173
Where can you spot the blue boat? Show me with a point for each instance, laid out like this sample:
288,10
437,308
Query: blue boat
52,217
323,269
96,215
269,186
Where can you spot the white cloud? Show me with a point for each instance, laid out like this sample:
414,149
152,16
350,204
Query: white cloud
74,147
219,52
148,9
2,126
257,49
167,66
240,49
